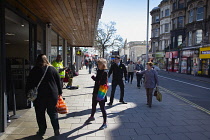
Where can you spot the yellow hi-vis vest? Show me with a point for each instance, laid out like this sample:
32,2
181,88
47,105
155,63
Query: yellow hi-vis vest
59,65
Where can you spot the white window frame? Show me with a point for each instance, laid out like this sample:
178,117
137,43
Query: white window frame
198,36
191,13
200,14
179,40
166,31
166,12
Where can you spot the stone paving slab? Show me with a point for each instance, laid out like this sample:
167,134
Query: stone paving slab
170,119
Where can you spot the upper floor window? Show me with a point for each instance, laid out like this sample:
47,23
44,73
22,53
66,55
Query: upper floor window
174,6
174,24
181,4
200,12
180,22
157,19
191,16
167,12
161,14
190,39
179,41
166,27
198,38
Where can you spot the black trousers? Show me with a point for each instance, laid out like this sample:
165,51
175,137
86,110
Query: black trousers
102,107
149,92
114,85
41,106
130,75
139,77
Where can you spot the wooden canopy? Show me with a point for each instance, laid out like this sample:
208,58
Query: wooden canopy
74,20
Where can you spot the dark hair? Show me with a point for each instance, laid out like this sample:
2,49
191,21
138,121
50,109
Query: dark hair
150,64
42,60
118,57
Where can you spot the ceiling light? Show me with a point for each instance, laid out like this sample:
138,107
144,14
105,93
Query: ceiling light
74,29
26,40
7,43
22,25
9,34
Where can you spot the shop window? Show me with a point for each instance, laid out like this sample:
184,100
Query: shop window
179,40
180,22
198,36
190,39
40,40
200,12
60,46
54,44
191,16
166,27
167,12
181,4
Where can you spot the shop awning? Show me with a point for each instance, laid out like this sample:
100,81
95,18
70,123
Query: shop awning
74,20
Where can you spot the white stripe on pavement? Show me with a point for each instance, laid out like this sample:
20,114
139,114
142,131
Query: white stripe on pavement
184,82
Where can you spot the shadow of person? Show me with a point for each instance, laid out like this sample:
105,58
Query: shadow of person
33,137
65,136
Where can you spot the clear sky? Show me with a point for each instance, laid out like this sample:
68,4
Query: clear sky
130,17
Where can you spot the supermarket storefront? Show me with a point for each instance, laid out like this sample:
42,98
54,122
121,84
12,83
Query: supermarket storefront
205,61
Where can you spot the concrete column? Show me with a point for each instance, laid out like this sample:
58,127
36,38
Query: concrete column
65,53
48,41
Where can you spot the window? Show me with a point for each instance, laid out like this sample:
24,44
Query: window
167,27
174,6
179,40
198,38
166,12
161,13
157,19
180,22
174,24
173,42
200,12
190,39
156,32
191,16
181,4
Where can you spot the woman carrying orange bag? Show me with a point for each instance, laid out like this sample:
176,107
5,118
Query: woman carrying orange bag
48,92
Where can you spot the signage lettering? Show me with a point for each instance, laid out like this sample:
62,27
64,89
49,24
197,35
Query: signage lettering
205,52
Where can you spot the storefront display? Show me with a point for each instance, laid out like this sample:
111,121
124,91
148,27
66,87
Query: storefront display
205,61
159,58
172,61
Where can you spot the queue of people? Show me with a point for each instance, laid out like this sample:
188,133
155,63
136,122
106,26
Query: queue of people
51,77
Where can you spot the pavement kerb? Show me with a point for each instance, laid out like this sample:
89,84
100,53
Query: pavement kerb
185,100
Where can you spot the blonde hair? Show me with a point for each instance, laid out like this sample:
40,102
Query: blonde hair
42,61
103,62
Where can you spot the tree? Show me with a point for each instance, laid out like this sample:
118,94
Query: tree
106,37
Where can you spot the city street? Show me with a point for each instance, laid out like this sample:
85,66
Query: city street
175,118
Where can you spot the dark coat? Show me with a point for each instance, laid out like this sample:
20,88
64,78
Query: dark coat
100,79
50,86
118,72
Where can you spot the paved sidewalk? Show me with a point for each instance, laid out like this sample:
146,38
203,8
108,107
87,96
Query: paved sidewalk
171,119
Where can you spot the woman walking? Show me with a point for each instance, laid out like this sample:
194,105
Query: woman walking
100,79
151,81
130,71
48,92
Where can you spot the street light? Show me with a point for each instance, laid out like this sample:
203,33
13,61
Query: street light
147,30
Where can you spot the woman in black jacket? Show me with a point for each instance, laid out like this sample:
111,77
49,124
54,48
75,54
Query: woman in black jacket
100,79
48,92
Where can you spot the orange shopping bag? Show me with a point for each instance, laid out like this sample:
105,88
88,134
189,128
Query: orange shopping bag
61,106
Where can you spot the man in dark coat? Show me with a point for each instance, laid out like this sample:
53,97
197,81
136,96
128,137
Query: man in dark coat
139,67
117,70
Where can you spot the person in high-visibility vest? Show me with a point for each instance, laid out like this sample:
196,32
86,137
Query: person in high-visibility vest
58,64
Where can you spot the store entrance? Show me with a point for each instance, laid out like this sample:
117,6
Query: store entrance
18,60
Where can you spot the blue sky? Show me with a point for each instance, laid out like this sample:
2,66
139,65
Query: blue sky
130,17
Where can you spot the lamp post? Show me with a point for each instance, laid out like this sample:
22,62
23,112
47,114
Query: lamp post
147,30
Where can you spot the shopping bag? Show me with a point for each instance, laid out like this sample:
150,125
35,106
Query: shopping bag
159,95
61,106
102,92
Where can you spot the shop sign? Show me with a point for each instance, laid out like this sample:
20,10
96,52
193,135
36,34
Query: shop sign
173,54
159,54
150,55
188,53
204,53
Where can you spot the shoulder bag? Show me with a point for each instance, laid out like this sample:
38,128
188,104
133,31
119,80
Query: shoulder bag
102,91
32,93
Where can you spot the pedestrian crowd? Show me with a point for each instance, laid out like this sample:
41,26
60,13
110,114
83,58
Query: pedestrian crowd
50,78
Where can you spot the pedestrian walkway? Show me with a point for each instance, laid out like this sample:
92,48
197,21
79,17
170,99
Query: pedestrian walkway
171,119
186,76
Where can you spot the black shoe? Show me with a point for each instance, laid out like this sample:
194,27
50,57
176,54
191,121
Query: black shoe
40,133
123,102
109,104
150,106
57,132
90,119
103,126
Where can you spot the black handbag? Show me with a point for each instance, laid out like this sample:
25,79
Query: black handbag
32,93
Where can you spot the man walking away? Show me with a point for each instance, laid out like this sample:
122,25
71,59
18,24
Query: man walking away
139,67
117,70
